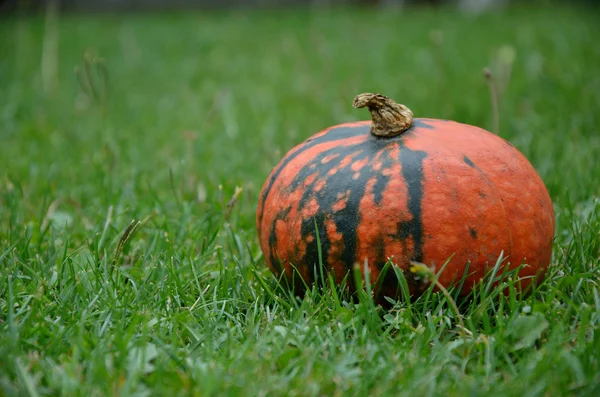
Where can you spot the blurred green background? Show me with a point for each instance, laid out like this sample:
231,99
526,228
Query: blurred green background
108,117
217,98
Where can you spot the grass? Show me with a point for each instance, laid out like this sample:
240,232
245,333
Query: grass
198,104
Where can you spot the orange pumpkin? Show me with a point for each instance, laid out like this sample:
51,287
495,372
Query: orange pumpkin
403,189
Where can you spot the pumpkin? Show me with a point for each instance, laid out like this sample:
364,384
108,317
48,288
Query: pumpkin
447,195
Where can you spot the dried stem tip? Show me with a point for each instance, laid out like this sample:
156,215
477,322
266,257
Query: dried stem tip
389,118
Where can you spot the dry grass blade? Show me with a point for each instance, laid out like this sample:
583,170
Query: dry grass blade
127,233
423,271
489,78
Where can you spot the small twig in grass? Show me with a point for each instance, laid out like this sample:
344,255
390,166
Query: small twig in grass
426,273
127,233
123,240
505,59
51,210
233,201
105,229
89,77
93,80
199,298
487,73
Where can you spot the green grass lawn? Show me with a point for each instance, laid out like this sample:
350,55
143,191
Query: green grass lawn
199,104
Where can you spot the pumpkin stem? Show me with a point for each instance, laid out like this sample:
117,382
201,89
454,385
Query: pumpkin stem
389,118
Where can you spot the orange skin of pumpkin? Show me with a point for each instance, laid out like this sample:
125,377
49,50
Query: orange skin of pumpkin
440,191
